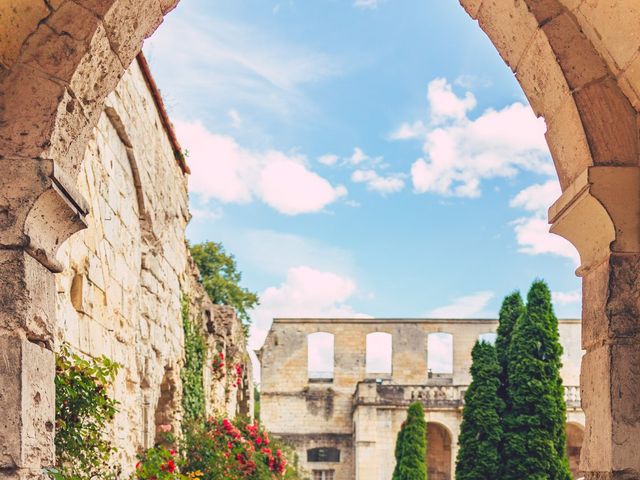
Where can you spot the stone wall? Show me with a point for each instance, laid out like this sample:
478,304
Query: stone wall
360,413
124,276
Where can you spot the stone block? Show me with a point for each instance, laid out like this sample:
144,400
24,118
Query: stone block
27,400
614,27
541,78
510,26
578,59
610,123
20,18
27,296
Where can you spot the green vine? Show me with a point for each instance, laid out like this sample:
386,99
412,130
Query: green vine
192,374
83,411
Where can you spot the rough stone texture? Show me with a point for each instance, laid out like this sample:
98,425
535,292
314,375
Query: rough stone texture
120,292
361,413
26,429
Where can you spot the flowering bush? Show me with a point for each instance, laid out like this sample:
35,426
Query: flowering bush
217,365
158,464
84,409
239,371
239,451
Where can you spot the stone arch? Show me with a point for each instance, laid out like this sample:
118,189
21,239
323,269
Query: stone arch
439,451
575,437
551,49
167,406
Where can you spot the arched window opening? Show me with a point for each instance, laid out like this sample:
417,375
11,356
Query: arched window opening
323,454
320,348
575,436
438,452
489,338
379,353
166,407
440,355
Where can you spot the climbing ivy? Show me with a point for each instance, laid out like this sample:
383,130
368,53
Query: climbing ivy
195,351
83,412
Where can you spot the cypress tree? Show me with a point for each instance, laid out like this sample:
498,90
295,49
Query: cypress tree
512,308
411,446
535,438
481,429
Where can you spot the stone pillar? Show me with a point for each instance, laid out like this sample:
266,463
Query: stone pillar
600,214
38,211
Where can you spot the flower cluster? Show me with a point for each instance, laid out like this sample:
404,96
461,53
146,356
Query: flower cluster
239,371
235,450
217,365
158,464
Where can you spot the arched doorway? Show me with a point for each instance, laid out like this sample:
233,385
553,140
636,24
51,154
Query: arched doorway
438,452
575,435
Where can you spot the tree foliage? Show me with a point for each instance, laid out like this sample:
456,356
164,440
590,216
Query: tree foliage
411,446
481,430
221,278
535,436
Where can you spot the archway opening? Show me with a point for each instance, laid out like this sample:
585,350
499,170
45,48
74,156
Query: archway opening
438,452
575,436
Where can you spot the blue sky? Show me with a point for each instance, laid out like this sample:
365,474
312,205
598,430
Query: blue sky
361,157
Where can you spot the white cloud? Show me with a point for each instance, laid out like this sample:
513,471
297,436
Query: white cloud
223,170
288,186
461,152
371,4
204,214
408,131
532,232
534,238
328,159
378,183
358,156
468,306
445,104
306,292
236,119
537,198
564,298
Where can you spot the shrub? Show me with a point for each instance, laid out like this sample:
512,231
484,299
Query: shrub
83,412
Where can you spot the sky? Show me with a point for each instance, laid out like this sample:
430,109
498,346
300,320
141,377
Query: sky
361,157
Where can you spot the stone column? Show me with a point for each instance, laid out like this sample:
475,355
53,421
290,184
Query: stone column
600,214
38,211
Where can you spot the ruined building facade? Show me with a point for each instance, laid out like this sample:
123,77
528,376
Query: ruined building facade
344,420
124,278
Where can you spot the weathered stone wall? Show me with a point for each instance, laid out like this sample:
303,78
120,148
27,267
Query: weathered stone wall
361,413
124,276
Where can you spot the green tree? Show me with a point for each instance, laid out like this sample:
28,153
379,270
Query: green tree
512,308
411,446
535,437
221,278
481,429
